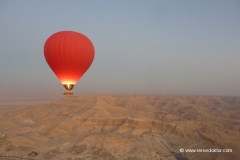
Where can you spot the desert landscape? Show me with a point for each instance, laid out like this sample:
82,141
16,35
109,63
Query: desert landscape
122,127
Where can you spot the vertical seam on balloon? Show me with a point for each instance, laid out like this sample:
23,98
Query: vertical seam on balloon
60,51
88,49
89,54
80,57
78,65
71,48
85,55
75,56
65,50
81,52
55,54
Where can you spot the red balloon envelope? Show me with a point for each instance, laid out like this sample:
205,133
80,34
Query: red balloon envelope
69,54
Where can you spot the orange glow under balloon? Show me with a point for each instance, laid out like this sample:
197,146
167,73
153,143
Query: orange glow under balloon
69,54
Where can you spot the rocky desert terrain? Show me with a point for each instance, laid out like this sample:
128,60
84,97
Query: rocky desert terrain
122,127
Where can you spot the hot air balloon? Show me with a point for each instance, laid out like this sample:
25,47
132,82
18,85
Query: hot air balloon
69,54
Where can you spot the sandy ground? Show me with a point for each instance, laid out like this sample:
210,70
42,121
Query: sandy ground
122,127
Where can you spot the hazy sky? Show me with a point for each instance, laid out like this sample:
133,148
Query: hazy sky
141,46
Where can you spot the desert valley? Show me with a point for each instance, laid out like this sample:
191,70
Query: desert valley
122,127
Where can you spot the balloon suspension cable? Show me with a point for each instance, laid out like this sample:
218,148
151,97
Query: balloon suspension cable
68,87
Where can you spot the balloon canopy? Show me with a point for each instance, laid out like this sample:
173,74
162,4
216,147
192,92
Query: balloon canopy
69,54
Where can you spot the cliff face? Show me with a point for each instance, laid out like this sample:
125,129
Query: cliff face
122,127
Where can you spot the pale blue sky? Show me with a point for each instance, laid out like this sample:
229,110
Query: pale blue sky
142,46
